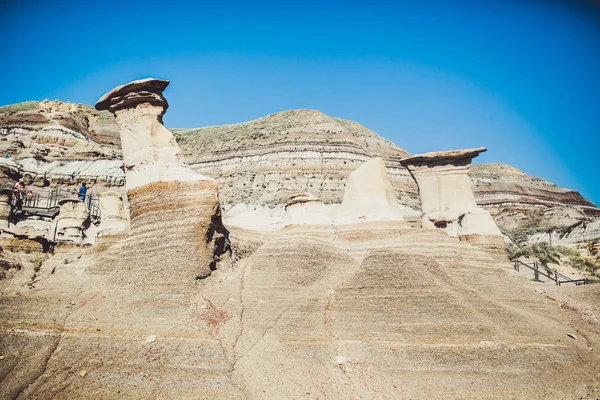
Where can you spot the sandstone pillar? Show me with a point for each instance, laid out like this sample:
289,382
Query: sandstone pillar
447,201
112,214
176,232
369,196
70,221
5,207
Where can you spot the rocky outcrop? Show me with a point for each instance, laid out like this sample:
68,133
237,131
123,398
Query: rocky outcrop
366,309
369,196
5,206
47,121
70,222
519,202
580,232
175,213
447,201
262,163
306,209
114,222
266,161
55,143
27,235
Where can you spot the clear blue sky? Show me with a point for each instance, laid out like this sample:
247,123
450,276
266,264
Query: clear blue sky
521,78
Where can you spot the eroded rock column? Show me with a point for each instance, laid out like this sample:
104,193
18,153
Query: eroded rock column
369,196
176,231
5,207
447,201
70,221
112,213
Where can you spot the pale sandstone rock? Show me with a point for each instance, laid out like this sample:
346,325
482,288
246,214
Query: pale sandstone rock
369,196
5,206
28,235
163,193
306,209
61,173
150,152
33,229
70,221
254,217
112,212
447,201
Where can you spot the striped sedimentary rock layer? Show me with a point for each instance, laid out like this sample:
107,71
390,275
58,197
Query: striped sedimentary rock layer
362,311
519,201
266,161
176,232
55,143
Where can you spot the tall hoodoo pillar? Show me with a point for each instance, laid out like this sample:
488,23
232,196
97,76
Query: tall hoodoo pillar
175,213
447,201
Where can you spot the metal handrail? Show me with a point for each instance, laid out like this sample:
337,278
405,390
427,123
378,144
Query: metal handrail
48,200
548,273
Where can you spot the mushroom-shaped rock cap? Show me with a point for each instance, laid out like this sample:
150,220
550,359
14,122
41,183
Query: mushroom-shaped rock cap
439,157
131,94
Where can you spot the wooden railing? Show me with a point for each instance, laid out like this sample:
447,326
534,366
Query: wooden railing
557,277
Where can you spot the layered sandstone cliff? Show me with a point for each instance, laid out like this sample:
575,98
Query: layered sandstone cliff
365,310
259,164
56,143
519,202
267,160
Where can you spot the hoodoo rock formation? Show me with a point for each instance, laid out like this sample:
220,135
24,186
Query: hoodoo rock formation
163,192
114,221
69,222
447,201
260,164
369,196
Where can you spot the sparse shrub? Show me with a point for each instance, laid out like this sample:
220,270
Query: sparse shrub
37,260
589,264
544,252
547,253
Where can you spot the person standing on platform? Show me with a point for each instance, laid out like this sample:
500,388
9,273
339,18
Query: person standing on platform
82,192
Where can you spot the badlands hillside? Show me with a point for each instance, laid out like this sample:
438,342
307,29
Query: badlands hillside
297,256
261,163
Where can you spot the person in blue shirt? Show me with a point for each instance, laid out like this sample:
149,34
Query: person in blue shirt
82,191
